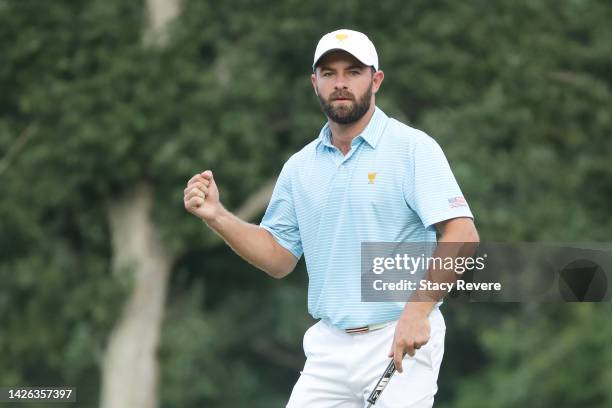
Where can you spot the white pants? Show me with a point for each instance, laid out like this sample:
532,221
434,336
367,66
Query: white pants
342,369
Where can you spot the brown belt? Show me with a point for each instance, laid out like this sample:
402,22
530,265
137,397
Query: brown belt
368,328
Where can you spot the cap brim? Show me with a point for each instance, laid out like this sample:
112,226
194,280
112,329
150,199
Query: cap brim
314,65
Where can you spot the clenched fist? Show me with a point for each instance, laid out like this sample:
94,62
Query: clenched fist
202,196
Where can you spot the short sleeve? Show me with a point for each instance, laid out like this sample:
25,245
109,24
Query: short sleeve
280,218
430,188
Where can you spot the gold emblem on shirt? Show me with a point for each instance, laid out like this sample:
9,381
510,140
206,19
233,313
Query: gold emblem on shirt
371,177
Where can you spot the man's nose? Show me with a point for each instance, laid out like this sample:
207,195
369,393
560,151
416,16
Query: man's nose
340,82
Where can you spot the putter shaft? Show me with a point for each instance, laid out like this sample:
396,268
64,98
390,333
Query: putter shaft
381,384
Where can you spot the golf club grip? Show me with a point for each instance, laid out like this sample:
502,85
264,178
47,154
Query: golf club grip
382,383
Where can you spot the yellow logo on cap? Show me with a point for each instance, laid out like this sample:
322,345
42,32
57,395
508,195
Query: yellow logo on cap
341,37
371,177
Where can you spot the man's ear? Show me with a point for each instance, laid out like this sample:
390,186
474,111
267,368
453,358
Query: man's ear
377,80
313,80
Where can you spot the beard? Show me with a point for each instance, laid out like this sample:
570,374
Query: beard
348,112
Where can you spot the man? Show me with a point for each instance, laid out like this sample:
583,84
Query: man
366,178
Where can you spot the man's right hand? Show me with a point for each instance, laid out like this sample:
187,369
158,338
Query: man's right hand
201,197
253,243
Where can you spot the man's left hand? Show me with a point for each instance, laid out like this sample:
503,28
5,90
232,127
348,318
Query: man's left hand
411,333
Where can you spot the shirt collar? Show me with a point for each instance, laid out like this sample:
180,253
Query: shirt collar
371,134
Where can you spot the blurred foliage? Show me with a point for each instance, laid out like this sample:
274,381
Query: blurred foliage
516,92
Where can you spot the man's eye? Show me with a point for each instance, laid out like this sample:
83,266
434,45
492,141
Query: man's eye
355,72
327,74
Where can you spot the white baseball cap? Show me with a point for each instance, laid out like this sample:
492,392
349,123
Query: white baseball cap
355,43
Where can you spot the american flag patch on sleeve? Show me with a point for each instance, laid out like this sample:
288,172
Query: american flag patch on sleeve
455,202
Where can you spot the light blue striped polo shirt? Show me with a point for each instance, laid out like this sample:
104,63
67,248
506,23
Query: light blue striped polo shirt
392,186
